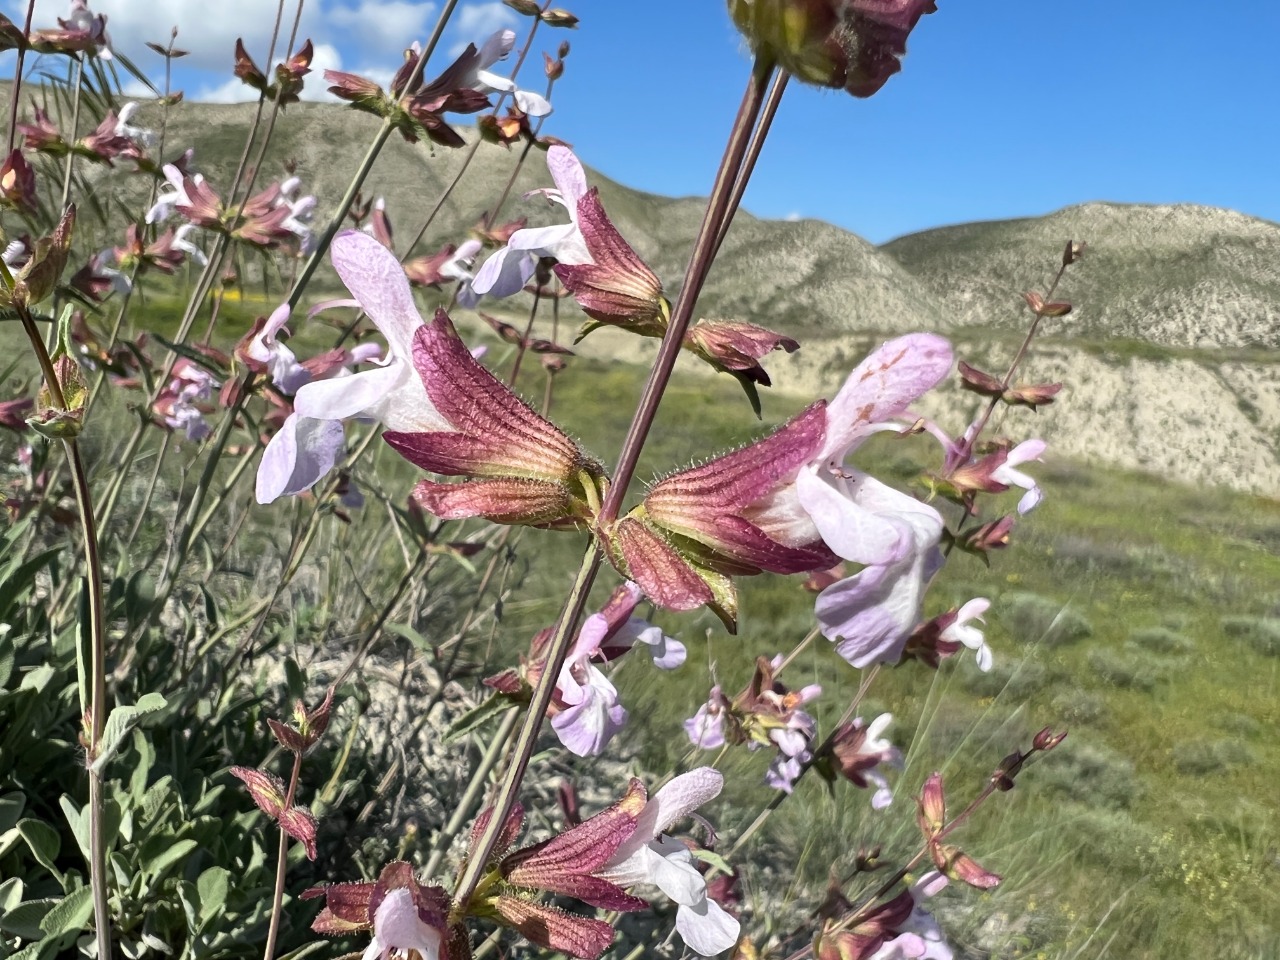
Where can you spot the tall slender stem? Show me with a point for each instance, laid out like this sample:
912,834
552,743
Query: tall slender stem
75,132
97,649
767,113
704,249
17,77
557,649
282,866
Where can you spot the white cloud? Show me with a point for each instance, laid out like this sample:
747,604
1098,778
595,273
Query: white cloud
208,30
233,91
476,21
793,216
383,28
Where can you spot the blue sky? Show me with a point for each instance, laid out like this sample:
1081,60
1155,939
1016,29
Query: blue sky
1004,108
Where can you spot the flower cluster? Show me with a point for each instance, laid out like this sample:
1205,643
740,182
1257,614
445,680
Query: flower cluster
585,713
594,862
765,714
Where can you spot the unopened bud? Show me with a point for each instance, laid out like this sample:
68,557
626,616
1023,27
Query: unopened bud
958,865
1046,739
559,18
867,860
298,823
979,381
267,790
554,69
1009,767
849,44
1074,251
1031,394
527,8
563,50
989,536
932,806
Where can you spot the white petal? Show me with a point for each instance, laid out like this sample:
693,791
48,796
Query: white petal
707,929
343,397
683,795
566,171
374,276
848,528
532,104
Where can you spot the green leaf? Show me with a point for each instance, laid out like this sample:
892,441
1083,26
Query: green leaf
8,659
18,577
419,642
11,805
749,388
210,607
39,678
122,718
139,597
155,866
212,887
293,679
477,716
714,859
44,843
10,894
79,822
24,919
142,770
70,915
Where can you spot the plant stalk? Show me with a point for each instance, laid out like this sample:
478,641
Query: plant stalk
557,649
704,250
282,865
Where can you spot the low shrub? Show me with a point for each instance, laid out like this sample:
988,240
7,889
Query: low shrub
1260,633
1031,618
1161,640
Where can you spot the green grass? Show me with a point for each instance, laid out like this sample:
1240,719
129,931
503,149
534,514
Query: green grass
1106,620
1149,633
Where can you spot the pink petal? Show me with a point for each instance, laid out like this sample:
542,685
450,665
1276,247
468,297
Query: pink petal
882,387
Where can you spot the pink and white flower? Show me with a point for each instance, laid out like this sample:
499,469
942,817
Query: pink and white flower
508,270
650,857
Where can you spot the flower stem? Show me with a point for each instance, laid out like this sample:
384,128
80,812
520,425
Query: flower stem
282,865
968,444
704,250
767,113
557,649
97,707
75,124
15,94
339,215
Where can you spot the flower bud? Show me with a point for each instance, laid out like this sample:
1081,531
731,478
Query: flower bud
554,69
527,8
267,790
1046,739
849,44
932,807
559,18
